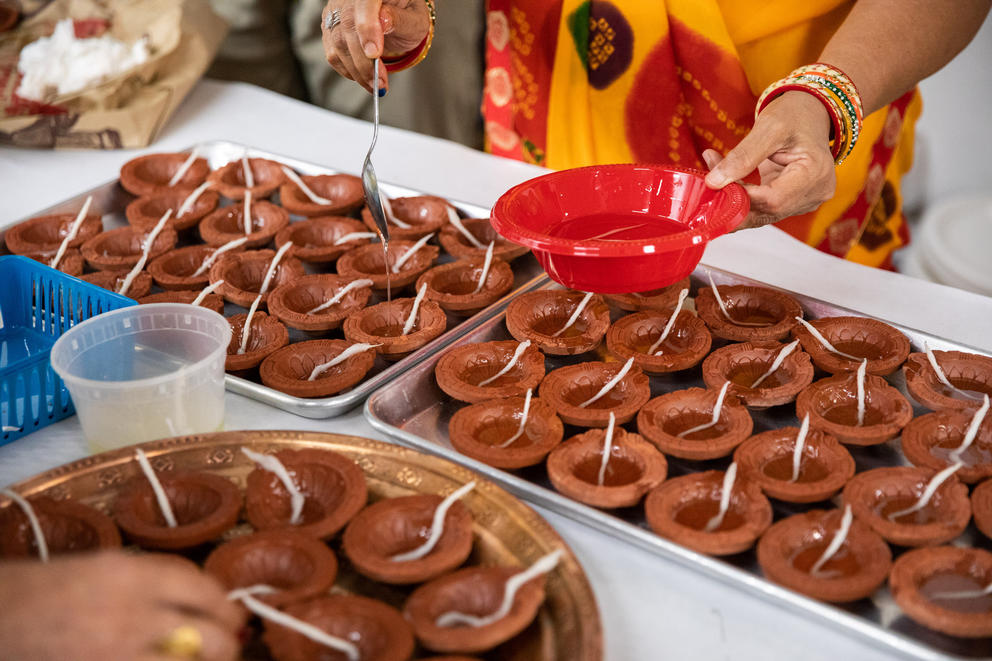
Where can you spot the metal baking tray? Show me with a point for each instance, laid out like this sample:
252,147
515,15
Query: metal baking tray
415,412
111,199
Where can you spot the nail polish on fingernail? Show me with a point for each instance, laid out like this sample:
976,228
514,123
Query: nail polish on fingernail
369,49
382,92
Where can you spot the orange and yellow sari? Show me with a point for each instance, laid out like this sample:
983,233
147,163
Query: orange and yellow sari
576,82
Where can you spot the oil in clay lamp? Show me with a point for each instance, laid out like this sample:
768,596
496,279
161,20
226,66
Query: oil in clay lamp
318,303
322,240
42,527
695,423
981,507
840,344
317,368
229,223
587,393
761,375
411,539
911,506
397,327
121,248
743,313
54,232
255,336
946,588
606,468
712,512
948,379
255,273
321,194
188,208
560,322
512,432
408,260
826,554
656,299
210,301
937,440
410,218
477,372
258,177
465,238
661,341
114,281
468,285
188,268
156,174
71,262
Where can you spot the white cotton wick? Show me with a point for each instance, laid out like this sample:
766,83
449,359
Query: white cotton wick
249,175
725,493
437,526
246,328
523,421
73,231
10,428
928,493
212,257
456,222
209,289
259,588
932,359
963,594
717,409
246,221
163,500
513,584
779,359
797,451
192,198
575,313
271,272
824,341
409,253
610,384
607,449
485,269
39,535
183,169
146,247
861,391
723,307
655,350
838,540
387,209
316,199
969,437
341,293
411,320
340,358
273,465
354,236
517,353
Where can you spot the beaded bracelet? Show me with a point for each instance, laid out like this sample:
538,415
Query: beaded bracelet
837,128
417,55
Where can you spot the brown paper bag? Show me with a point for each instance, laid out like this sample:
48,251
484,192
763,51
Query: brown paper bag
126,111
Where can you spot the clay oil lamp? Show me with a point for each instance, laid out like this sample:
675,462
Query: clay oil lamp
695,423
48,233
412,539
155,174
323,240
981,507
255,336
910,506
558,321
42,527
114,281
255,273
742,313
397,327
210,301
940,439
318,303
299,566
947,589
174,510
468,285
317,368
840,344
258,176
656,299
712,512
315,492
661,341
477,372
188,208
475,609
606,468
121,248
795,464
228,223
513,432
71,262
587,393
321,194
466,238
948,379
189,267
762,375
410,218
856,409
407,262
826,554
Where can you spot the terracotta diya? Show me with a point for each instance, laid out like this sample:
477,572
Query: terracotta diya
966,378
370,262
945,589
210,301
113,280
713,512
341,193
656,299
477,372
66,525
762,375
560,322
266,336
981,507
850,340
70,263
937,440
383,538
232,181
46,233
496,432
303,303
320,240
458,245
228,223
376,629
585,394
153,174
695,423
121,248
902,504
832,405
467,286
333,487
383,325
244,274
826,554
182,268
305,369
421,215
297,565
144,212
642,336
748,314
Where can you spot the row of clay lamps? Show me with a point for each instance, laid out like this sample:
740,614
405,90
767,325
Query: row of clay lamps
491,428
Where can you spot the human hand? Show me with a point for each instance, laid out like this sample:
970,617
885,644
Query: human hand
369,29
112,606
789,146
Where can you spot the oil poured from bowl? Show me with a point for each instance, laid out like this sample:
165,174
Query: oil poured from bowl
615,227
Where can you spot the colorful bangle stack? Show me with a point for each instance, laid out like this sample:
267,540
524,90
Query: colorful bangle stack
417,55
838,94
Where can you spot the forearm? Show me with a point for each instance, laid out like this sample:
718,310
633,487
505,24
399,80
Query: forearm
887,46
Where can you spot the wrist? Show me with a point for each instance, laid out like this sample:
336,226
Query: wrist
398,61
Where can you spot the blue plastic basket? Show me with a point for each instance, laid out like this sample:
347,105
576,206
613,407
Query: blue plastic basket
37,305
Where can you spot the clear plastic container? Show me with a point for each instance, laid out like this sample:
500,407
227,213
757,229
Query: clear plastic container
146,372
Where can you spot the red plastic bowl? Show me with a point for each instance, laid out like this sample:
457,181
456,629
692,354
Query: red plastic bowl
616,229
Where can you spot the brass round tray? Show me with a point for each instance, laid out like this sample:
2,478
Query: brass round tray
506,531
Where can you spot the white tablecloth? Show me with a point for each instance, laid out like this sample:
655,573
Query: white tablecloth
651,608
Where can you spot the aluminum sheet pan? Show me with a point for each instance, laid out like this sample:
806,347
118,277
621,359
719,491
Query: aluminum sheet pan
415,412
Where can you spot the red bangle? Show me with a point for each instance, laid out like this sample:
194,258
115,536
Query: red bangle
408,59
835,118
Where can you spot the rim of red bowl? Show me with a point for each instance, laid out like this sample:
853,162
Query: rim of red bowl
733,212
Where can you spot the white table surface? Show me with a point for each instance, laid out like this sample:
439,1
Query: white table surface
651,608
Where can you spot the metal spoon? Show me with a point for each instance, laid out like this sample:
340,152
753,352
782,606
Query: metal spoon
369,181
